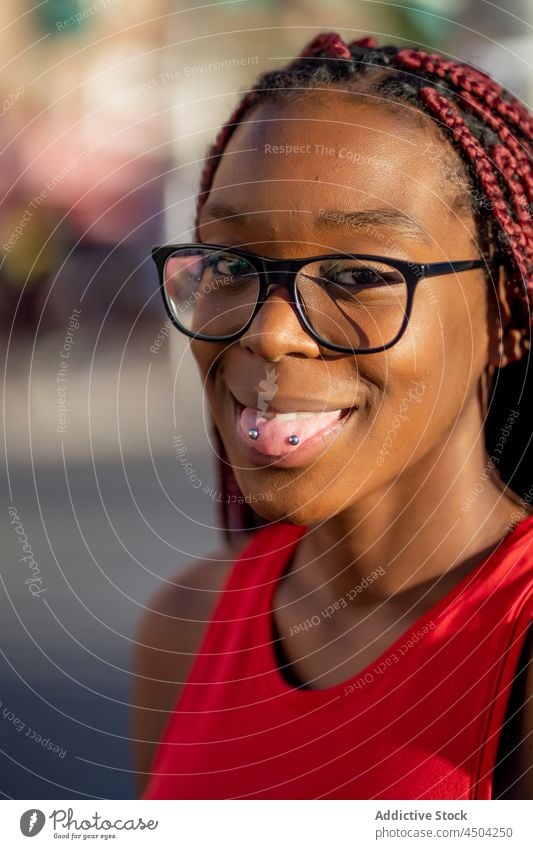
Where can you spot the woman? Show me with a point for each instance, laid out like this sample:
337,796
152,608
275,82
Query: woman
361,281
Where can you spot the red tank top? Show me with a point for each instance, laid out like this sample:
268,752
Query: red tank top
422,721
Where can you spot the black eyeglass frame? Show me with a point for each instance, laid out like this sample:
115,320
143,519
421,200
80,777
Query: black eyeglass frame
287,270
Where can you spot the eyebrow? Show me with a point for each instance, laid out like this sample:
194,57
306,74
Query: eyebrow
367,219
395,220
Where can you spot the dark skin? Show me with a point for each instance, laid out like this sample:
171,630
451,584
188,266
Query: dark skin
403,515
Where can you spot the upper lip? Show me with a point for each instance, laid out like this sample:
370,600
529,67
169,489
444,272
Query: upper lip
286,403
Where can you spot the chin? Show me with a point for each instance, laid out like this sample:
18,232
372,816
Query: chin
296,507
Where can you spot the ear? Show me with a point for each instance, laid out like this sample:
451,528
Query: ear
506,334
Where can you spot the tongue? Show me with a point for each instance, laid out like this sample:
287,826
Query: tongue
274,432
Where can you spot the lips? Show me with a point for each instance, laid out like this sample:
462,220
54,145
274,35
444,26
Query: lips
315,431
286,404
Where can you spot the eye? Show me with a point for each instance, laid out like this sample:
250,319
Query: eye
356,275
230,265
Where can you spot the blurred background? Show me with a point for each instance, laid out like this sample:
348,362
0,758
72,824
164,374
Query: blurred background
107,109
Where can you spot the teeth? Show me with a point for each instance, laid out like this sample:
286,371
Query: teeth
287,417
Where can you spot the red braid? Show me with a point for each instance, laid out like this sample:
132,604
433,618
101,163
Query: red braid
328,44
511,160
483,96
477,155
470,79
368,41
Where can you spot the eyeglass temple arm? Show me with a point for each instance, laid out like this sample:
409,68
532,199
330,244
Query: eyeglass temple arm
435,269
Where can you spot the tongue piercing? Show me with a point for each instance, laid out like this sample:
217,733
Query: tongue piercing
253,433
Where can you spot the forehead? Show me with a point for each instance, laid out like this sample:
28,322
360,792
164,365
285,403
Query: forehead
287,161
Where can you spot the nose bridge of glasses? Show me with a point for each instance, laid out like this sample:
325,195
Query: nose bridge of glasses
278,273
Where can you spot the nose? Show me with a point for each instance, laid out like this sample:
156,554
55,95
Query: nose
276,329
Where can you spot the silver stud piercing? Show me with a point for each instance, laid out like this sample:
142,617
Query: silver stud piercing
253,433
294,440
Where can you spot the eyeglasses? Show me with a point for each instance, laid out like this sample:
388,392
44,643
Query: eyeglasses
351,303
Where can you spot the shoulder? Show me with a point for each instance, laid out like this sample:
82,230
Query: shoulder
513,776
167,639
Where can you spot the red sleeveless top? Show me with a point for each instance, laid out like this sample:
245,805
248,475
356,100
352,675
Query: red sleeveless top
422,721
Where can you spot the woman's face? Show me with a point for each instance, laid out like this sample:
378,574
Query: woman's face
278,176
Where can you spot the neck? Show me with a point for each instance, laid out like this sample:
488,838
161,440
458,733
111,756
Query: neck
442,513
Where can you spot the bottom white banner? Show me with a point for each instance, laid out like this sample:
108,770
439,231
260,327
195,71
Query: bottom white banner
268,824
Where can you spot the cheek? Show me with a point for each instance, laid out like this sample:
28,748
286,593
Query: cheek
208,358
435,368
202,354
448,328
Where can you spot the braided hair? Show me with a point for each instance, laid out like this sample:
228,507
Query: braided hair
492,132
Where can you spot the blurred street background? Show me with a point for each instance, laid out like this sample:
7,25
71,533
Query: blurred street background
106,113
